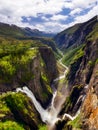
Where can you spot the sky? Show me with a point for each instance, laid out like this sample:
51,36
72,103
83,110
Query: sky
47,15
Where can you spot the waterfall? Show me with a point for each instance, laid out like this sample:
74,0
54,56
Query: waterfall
53,98
47,115
71,117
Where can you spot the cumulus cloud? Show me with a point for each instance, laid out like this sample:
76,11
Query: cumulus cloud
75,11
59,17
87,16
13,12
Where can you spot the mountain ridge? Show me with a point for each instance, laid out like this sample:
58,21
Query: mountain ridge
75,35
22,31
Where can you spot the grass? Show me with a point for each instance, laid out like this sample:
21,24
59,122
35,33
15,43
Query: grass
14,59
42,127
6,124
12,107
78,55
11,125
94,34
3,107
70,30
70,54
76,123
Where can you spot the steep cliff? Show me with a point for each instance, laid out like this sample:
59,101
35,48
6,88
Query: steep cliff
23,65
82,80
83,85
75,35
31,68
18,112
90,105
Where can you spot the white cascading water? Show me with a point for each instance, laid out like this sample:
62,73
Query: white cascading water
48,116
82,97
71,117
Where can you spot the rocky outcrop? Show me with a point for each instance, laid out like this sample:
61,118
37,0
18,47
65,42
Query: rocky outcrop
81,69
18,108
37,74
90,105
51,67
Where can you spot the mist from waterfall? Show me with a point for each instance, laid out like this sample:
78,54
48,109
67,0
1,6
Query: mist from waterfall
49,115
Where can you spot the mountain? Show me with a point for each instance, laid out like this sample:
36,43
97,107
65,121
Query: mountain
18,32
77,34
74,38
15,32
82,82
37,33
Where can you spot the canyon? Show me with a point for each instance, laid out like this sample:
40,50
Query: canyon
49,83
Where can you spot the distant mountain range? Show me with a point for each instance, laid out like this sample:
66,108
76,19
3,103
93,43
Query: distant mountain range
15,31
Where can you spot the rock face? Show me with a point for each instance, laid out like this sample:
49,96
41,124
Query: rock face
17,108
84,65
75,35
83,84
83,76
37,74
50,62
90,105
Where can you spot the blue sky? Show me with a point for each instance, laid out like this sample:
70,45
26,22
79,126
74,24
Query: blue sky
47,15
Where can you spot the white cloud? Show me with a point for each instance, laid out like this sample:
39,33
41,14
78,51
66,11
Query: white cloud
58,17
75,11
83,3
87,16
44,18
12,12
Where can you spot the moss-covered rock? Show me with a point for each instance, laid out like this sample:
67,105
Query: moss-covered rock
16,109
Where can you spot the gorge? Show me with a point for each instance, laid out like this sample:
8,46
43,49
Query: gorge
49,83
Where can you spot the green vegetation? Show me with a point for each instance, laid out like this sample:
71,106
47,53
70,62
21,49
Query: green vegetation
96,61
17,101
4,110
15,55
94,33
72,98
42,127
46,83
76,123
14,109
44,77
70,30
10,125
72,54
79,54
12,30
91,63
